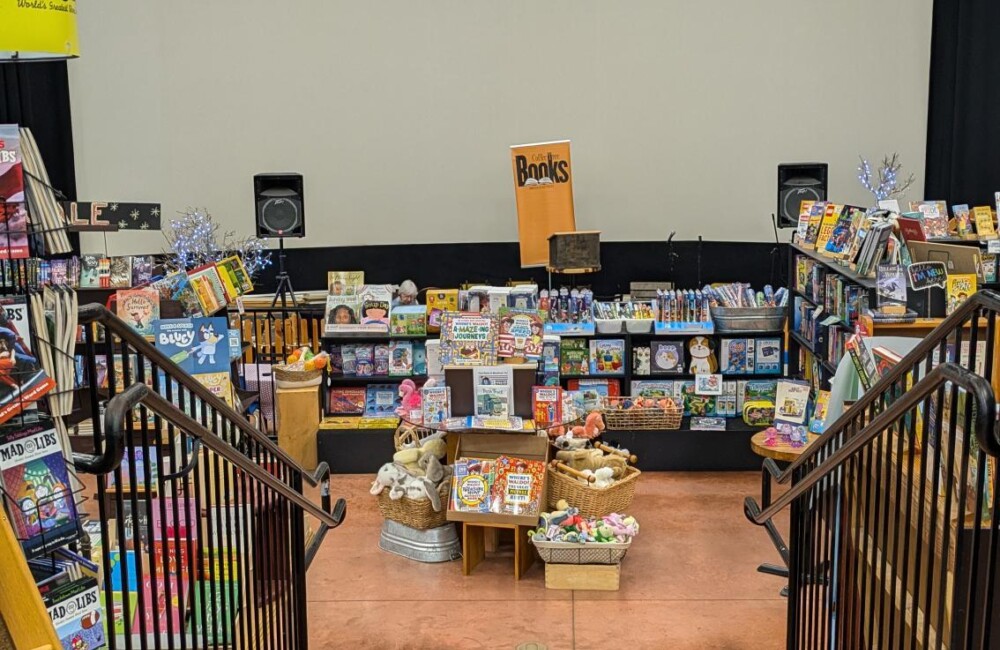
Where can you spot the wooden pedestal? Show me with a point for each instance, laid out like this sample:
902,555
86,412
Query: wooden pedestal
298,422
592,577
474,546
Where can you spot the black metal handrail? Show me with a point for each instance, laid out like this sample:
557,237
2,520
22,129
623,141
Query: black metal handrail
978,387
97,313
991,444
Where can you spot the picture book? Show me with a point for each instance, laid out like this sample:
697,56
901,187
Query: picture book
861,356
346,401
142,270
840,237
738,356
171,520
708,384
14,211
546,406
348,359
791,401
400,358
219,600
22,379
208,288
816,212
364,360
768,359
197,345
408,320
493,401
381,399
89,275
472,485
959,288
380,360
440,301
343,283
831,216
607,356
890,285
375,302
694,404
574,356
517,486
520,334
35,478
467,339
176,286
104,272
912,227
666,357
139,470
76,611
234,276
817,423
935,215
756,390
140,308
420,358
158,609
342,314
549,365
802,226
988,267
963,220
58,273
982,215
120,272
593,391
435,404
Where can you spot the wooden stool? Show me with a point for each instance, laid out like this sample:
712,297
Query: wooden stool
474,546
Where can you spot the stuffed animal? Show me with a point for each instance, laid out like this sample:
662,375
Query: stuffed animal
410,458
701,351
623,527
604,477
411,400
569,441
592,426
565,524
403,484
641,354
593,459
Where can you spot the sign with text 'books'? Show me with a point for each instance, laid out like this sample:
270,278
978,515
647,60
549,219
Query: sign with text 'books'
543,188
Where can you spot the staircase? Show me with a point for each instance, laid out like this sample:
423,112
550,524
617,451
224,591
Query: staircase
205,542
893,537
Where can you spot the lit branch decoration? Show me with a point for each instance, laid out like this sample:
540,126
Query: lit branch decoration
887,184
194,241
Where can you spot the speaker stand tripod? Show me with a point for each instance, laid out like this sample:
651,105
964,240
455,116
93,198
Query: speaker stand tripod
284,289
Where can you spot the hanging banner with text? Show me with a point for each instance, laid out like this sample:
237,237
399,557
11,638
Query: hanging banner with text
38,29
543,187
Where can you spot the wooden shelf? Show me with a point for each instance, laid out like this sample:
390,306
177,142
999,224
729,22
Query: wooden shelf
795,336
333,380
867,283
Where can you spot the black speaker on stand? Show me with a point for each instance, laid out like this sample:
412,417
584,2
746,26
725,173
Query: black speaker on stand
798,182
281,214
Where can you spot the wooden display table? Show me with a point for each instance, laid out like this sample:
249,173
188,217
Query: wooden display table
298,411
474,546
782,451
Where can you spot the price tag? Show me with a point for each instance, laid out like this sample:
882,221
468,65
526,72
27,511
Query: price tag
239,305
993,246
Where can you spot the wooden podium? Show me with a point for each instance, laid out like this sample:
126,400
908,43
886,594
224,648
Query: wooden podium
298,413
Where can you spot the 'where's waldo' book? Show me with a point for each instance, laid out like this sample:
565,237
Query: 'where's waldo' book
139,308
468,339
36,484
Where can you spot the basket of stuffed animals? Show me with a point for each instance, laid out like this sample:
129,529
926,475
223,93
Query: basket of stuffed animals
566,536
414,488
598,480
415,513
576,553
410,435
632,413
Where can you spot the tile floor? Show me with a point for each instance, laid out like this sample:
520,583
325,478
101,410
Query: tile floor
688,583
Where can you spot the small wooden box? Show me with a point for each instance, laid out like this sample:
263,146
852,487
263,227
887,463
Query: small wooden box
575,252
591,577
463,393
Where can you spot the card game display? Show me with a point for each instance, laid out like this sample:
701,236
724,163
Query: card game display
666,357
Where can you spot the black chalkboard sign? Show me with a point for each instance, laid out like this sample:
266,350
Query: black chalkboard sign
924,275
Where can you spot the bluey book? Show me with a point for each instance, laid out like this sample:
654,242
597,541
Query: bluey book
738,356
768,360
198,345
400,358
435,404
120,272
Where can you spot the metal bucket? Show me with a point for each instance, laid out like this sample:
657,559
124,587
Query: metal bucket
432,545
746,319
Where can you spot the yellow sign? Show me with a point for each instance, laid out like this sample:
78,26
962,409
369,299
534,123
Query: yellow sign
543,186
38,29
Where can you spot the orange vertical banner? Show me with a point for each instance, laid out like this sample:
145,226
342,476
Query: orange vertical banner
543,187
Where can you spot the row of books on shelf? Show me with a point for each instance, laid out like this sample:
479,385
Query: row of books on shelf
402,358
737,356
837,294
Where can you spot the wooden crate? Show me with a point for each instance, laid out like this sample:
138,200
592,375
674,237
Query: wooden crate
591,577
575,252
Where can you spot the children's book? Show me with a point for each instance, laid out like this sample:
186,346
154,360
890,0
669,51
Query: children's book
176,286
120,272
234,276
160,611
380,360
517,486
546,406
935,215
364,360
890,285
574,356
738,356
666,357
982,215
816,212
959,288
208,288
408,320
520,334
14,225
381,399
831,216
607,356
435,404
640,360
119,614
755,390
140,308
198,345
549,365
468,339
76,611
805,208
142,270
863,361
439,302
817,424
89,273
840,237
343,283
34,476
342,314
694,404
911,227
768,359
104,272
220,600
493,401
594,391
472,485
988,267
349,360
59,273
792,401
135,475
400,358
346,401
420,358
963,220
375,302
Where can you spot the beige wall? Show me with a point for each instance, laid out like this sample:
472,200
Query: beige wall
400,113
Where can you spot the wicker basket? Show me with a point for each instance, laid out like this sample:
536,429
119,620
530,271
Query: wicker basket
591,553
619,418
592,502
286,377
408,434
416,513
